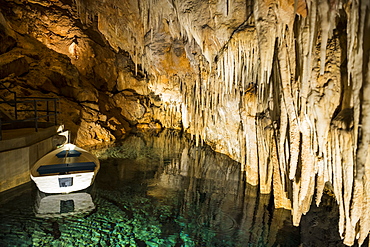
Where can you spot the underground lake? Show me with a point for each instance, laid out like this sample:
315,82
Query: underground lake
161,190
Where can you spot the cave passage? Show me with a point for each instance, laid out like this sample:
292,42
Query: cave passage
161,190
279,86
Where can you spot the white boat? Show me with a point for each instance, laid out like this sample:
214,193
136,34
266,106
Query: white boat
61,205
65,170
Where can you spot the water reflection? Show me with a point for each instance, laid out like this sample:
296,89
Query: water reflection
153,191
63,205
205,195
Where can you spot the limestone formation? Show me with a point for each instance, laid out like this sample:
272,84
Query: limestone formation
280,86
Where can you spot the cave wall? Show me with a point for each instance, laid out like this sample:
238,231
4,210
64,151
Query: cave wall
280,86
46,51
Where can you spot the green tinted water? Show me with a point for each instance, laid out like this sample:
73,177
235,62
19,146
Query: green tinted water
156,191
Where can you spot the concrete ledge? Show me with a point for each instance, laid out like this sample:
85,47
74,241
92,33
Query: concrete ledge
27,139
18,155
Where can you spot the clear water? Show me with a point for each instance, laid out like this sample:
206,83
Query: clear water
160,190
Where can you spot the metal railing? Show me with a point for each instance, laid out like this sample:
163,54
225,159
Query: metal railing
34,109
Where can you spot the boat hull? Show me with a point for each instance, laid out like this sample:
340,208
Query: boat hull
51,184
65,170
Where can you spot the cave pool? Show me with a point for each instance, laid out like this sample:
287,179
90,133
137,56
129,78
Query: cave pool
159,189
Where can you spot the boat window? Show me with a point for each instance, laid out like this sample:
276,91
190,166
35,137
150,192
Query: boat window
65,182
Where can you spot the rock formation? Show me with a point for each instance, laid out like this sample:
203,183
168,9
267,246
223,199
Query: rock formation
280,86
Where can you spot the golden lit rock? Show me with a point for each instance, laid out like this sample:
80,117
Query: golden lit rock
279,86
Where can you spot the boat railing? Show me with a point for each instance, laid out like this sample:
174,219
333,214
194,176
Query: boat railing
28,109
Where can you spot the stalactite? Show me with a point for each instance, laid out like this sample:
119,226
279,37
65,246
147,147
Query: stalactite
264,164
291,112
327,21
307,175
282,200
136,61
251,137
272,97
307,41
301,112
364,192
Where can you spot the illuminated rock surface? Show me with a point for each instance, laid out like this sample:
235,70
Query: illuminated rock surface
279,86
